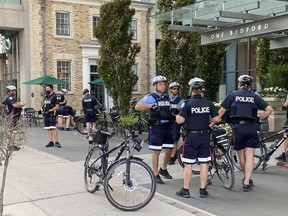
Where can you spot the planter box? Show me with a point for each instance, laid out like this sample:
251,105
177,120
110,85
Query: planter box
276,103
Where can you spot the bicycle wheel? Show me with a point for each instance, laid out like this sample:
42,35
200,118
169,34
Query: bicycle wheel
224,168
257,157
81,125
195,167
134,194
142,131
119,129
93,172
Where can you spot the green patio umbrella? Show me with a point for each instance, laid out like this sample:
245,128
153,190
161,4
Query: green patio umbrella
46,80
96,82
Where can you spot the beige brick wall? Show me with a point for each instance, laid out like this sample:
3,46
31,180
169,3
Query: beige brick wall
67,48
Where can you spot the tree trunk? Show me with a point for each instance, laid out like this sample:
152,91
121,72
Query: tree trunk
3,184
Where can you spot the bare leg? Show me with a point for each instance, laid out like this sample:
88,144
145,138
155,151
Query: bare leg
285,145
187,175
68,122
173,154
54,134
203,175
50,136
155,161
167,155
242,159
249,164
88,128
60,121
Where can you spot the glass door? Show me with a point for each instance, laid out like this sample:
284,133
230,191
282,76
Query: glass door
98,89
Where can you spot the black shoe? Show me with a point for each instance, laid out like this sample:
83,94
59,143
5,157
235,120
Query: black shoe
16,148
57,145
172,160
68,129
183,193
50,144
246,188
165,173
251,183
203,193
62,129
281,157
159,180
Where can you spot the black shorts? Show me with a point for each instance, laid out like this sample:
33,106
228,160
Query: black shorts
196,147
176,131
160,137
245,136
90,116
49,121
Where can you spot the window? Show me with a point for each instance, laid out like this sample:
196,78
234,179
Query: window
135,70
64,73
96,20
62,23
133,29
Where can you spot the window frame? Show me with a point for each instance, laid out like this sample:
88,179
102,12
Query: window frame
69,79
93,33
59,33
134,31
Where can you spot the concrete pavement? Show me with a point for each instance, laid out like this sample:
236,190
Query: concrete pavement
49,181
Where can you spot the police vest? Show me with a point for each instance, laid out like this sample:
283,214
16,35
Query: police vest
243,105
88,102
49,102
8,106
61,98
165,109
174,110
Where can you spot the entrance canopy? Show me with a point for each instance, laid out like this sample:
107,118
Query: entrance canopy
226,20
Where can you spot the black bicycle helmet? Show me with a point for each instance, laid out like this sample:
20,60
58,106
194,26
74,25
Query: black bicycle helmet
85,91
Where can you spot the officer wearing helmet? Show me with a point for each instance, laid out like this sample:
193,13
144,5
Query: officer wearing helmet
196,115
88,105
243,105
160,120
13,107
176,103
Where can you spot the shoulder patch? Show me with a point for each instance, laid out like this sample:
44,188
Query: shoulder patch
146,97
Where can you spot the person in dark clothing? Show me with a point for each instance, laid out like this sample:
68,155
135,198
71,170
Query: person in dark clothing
50,107
62,102
243,105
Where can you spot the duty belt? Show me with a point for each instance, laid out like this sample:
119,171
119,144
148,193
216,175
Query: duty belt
162,124
199,131
241,122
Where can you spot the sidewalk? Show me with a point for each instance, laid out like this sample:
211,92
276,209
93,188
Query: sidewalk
41,184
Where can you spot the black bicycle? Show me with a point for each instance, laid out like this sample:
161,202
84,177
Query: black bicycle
129,183
141,126
263,153
221,162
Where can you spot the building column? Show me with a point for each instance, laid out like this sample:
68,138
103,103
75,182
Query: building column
2,66
86,72
231,58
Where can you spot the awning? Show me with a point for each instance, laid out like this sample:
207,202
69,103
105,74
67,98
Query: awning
96,82
46,80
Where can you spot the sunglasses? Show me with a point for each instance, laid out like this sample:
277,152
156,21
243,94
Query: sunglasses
175,89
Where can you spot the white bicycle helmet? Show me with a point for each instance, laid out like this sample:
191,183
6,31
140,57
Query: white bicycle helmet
158,79
11,88
196,83
245,80
174,84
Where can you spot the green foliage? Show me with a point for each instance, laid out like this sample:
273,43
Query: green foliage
117,51
263,55
277,76
126,120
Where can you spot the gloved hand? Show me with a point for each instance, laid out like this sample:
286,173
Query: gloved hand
155,107
47,112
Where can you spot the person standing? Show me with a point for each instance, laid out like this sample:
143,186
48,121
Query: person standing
50,107
242,106
89,103
176,103
282,156
196,115
61,111
160,120
13,107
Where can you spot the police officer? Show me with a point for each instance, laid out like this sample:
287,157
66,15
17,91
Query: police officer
176,103
160,120
61,111
88,105
242,106
196,114
50,107
13,107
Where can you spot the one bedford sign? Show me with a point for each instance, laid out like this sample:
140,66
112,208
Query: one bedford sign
251,29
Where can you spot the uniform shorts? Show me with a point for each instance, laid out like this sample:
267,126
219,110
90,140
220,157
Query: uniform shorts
176,131
61,111
245,136
196,148
90,116
160,137
49,122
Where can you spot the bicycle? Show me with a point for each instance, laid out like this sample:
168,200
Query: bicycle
141,126
123,179
117,124
263,153
221,163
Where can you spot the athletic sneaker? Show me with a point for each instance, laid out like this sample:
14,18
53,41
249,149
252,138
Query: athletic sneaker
57,145
50,144
165,173
183,193
203,193
172,160
246,188
159,180
281,157
251,183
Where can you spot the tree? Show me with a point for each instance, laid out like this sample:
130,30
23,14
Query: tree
10,137
180,55
117,51
176,52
